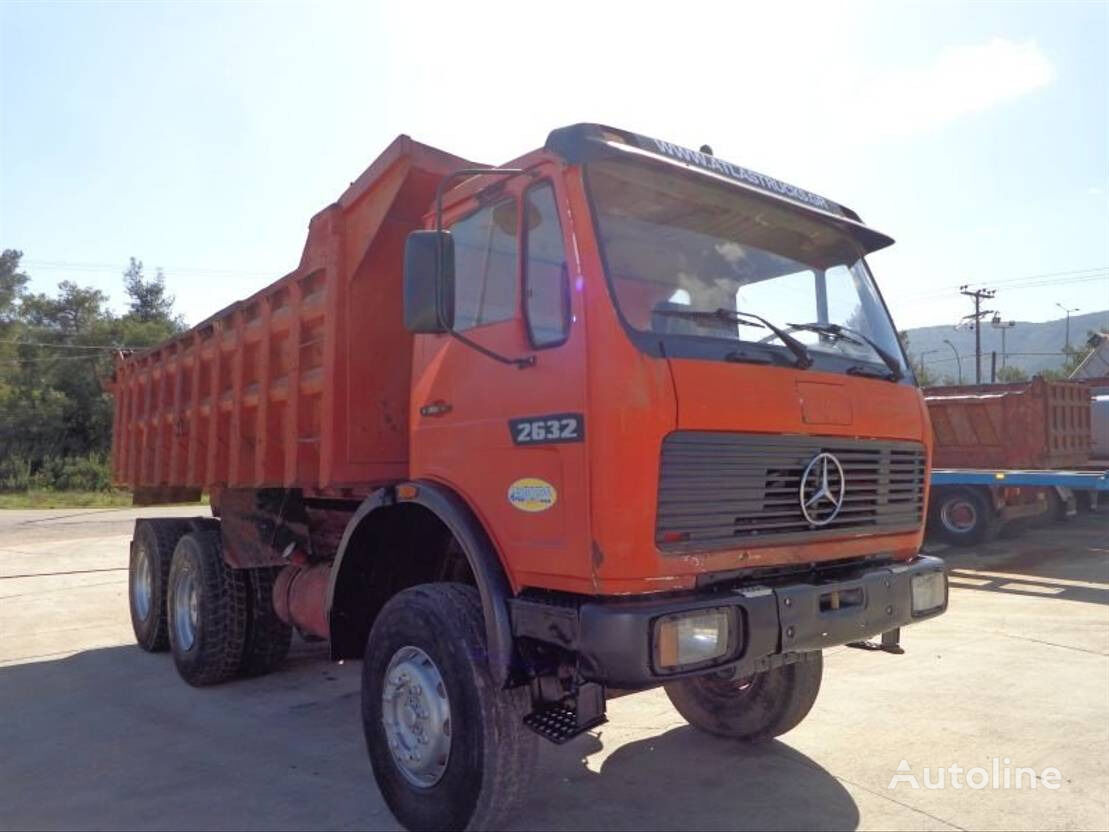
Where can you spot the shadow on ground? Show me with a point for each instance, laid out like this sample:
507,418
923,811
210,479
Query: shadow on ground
111,738
1040,562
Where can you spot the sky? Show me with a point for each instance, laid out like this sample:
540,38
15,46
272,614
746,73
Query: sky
201,137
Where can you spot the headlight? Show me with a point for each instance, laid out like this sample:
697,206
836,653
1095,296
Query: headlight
691,638
929,592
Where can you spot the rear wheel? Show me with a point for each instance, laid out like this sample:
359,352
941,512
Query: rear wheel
963,517
752,708
448,747
207,611
267,636
147,575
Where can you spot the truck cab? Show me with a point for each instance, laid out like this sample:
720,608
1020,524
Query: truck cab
643,426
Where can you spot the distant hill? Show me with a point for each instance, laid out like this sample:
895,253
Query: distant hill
1031,346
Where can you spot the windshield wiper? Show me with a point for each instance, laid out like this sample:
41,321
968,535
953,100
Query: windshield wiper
735,316
846,333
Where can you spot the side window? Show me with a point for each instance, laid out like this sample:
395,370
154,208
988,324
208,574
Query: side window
546,284
485,266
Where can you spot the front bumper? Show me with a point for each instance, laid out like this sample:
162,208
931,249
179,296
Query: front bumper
613,639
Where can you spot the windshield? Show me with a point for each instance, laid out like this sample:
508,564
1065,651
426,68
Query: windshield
676,245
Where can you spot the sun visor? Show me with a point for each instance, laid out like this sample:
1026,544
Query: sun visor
589,142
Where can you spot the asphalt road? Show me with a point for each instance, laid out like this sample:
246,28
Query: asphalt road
94,733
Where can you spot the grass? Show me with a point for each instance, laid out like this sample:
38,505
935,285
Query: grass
43,498
48,498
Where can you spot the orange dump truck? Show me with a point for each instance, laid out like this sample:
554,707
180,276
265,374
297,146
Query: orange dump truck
616,415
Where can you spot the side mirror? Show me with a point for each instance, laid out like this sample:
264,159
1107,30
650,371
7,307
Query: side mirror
429,281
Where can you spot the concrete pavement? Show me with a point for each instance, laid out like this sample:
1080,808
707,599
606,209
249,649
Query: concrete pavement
94,733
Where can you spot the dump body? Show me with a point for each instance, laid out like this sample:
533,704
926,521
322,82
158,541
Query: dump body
1036,424
304,384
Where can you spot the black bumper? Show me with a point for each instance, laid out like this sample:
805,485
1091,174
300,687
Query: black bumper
613,639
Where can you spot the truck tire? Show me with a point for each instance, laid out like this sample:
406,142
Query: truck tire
448,747
1059,507
963,516
147,575
267,636
754,708
207,611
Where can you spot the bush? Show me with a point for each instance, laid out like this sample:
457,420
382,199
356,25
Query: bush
15,473
76,473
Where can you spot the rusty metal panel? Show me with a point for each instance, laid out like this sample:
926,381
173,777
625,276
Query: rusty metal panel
1036,424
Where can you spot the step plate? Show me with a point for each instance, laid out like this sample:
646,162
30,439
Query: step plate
559,724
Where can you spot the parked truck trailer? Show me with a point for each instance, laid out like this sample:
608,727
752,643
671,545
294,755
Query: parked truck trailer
991,440
616,415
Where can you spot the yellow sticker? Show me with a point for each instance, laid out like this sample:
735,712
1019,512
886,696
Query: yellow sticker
531,494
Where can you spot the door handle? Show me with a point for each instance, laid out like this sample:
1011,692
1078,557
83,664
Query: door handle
436,408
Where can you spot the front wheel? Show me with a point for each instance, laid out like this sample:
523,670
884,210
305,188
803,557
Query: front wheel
753,708
448,747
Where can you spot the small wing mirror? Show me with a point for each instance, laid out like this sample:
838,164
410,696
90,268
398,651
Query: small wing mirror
429,282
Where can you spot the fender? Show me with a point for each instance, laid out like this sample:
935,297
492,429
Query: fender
456,515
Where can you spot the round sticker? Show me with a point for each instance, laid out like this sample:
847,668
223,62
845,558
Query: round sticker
531,494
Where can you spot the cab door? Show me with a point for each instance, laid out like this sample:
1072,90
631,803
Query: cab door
510,439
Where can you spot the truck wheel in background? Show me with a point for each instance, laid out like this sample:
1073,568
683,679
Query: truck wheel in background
1061,504
267,636
207,611
963,516
754,708
448,747
147,575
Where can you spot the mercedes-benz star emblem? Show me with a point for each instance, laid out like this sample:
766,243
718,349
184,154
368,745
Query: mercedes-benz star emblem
822,487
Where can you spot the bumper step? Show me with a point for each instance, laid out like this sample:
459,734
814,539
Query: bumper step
560,724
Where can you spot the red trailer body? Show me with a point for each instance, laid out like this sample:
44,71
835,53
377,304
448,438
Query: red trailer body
1036,424
270,392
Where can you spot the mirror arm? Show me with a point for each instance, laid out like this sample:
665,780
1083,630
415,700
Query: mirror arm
519,363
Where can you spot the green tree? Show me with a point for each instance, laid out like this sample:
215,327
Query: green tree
13,282
1009,373
924,376
1072,357
149,300
58,351
73,311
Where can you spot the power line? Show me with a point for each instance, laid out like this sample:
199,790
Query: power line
65,265
1009,286
38,360
1038,276
20,343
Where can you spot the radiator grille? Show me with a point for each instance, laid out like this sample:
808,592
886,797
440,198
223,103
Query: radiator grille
726,489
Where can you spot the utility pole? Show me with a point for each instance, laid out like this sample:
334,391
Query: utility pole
979,295
1004,326
1068,311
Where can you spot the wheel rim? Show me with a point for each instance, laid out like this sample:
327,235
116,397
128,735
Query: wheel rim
142,587
959,516
416,713
186,609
